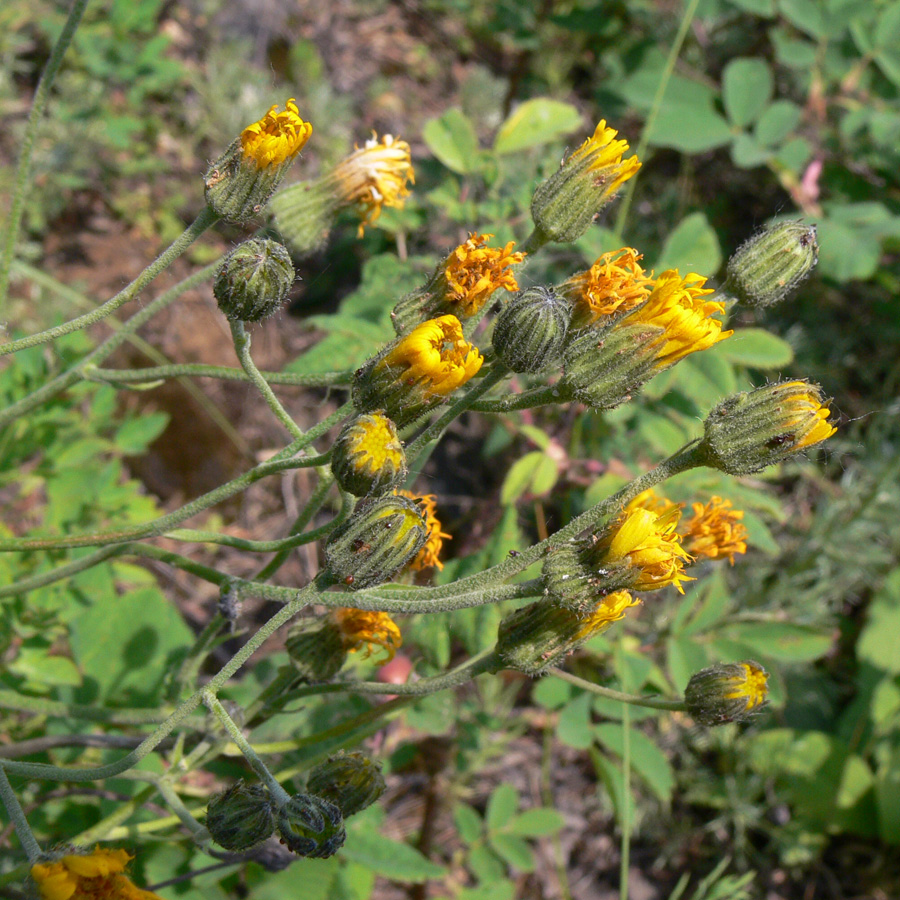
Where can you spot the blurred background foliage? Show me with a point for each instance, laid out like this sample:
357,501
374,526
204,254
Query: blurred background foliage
774,108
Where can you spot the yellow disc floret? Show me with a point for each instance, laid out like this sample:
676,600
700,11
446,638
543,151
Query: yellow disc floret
276,137
603,152
436,355
363,628
375,175
714,530
677,306
753,686
92,876
473,272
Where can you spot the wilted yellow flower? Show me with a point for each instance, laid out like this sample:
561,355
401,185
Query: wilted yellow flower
375,175
714,530
615,283
677,306
429,555
473,272
436,355
602,152
804,410
362,628
93,876
650,544
276,137
610,609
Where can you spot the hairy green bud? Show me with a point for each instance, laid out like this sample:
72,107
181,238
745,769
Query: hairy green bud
253,281
368,456
530,332
311,826
351,781
726,692
241,817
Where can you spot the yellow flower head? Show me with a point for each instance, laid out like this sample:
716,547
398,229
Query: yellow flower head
375,175
276,137
602,152
93,876
429,555
805,413
615,283
436,355
361,628
714,530
677,306
649,499
610,609
473,272
649,543
751,685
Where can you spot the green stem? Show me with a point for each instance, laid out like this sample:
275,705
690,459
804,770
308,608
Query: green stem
206,218
242,348
23,170
534,241
44,707
190,665
74,374
190,535
104,828
555,393
184,709
163,784
258,766
196,370
23,830
620,696
624,864
655,107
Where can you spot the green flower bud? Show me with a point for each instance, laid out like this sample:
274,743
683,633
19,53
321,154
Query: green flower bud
239,183
566,204
351,781
241,817
304,214
727,692
749,431
771,264
606,367
530,332
542,634
377,541
368,456
316,649
253,281
311,826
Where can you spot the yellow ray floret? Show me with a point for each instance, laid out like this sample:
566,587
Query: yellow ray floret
473,272
677,306
610,609
375,175
807,414
753,686
429,555
276,137
603,153
651,545
93,876
714,530
437,356
615,283
362,628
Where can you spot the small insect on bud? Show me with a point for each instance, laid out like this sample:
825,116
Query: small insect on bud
351,781
311,826
239,183
727,692
530,332
378,540
769,266
752,430
253,281
368,456
241,817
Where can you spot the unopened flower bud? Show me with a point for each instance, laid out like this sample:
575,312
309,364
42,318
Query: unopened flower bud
564,206
311,826
752,430
368,457
727,692
241,817
542,634
316,649
530,332
240,182
351,781
253,281
379,539
771,264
